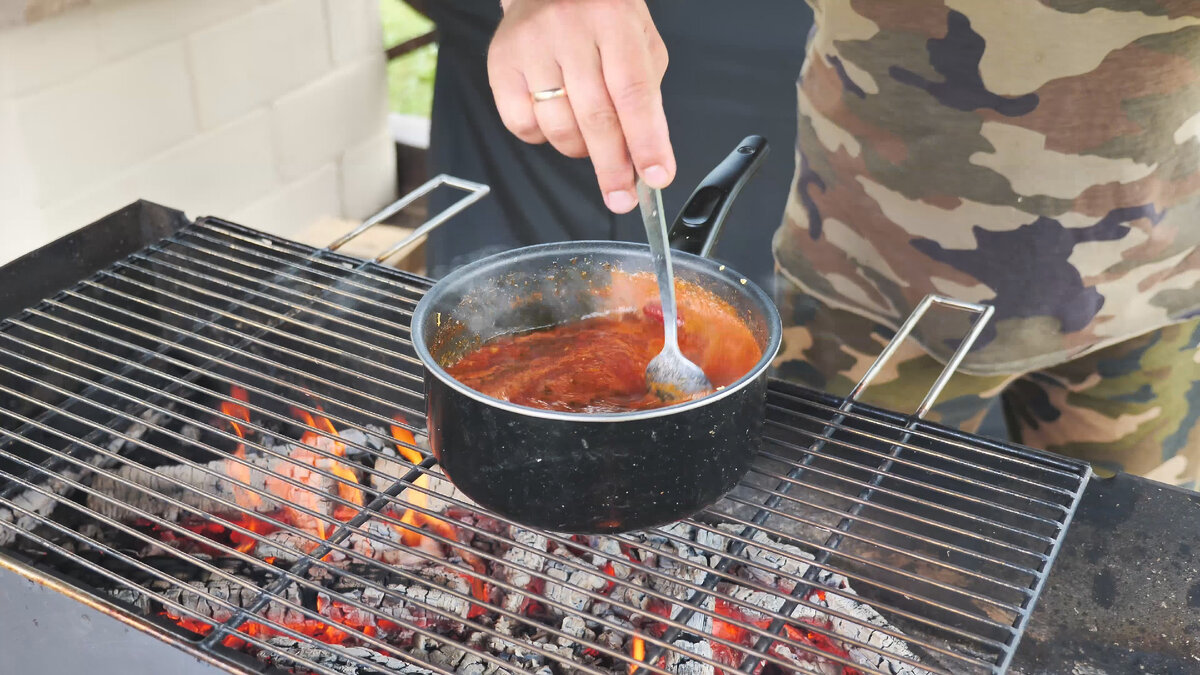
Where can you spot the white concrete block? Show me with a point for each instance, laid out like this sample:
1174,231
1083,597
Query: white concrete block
126,26
354,29
45,53
85,130
314,125
252,59
368,176
215,173
16,182
20,221
295,207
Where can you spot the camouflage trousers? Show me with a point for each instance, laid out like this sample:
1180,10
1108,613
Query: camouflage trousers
1133,406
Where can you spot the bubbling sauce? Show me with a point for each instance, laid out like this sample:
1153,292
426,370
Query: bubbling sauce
598,364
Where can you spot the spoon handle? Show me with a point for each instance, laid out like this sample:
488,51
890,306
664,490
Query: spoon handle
650,200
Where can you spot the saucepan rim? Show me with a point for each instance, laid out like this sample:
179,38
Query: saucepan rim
421,313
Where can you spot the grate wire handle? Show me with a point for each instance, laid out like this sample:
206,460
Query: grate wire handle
984,314
475,192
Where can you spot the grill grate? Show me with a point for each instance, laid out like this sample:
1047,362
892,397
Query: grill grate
118,382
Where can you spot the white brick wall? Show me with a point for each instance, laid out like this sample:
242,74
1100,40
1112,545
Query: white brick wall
108,118
254,58
126,26
61,48
272,113
314,124
354,30
211,174
278,213
367,172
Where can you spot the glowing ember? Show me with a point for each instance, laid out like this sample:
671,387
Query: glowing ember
325,632
198,627
245,543
728,631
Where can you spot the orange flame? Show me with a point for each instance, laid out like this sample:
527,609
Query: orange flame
405,436
638,652
416,519
421,500
346,486
236,470
323,423
336,620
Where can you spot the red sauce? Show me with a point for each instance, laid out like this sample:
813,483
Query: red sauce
599,364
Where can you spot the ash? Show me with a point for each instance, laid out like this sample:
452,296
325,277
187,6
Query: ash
389,604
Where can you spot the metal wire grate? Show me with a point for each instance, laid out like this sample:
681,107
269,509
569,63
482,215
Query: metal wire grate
119,380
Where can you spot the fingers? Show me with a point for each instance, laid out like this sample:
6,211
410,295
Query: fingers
554,116
600,128
610,60
633,76
513,102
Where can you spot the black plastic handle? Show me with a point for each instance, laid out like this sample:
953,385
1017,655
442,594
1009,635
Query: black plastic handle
698,225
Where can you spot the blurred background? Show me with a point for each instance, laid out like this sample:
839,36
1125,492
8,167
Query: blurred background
304,117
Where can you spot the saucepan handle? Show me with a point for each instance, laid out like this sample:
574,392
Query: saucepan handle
698,225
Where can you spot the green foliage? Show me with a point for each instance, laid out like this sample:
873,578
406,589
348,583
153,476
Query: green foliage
410,77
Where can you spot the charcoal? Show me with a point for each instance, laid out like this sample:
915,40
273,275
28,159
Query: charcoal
201,488
284,546
567,592
129,596
355,440
522,560
214,599
334,658
611,639
390,468
576,630
43,504
615,557
446,656
678,662
712,540
438,599
589,592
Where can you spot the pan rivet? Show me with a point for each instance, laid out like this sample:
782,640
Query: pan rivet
743,281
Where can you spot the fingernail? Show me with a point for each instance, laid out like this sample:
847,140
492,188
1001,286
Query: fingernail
655,176
620,200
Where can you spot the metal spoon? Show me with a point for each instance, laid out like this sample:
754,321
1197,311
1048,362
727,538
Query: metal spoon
670,375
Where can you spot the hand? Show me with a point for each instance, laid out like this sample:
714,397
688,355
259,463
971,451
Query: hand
610,60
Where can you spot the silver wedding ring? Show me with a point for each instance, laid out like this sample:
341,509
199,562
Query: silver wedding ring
548,94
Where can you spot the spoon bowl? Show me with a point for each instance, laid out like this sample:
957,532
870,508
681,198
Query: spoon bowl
670,375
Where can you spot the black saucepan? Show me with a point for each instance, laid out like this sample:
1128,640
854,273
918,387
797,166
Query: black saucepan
581,472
